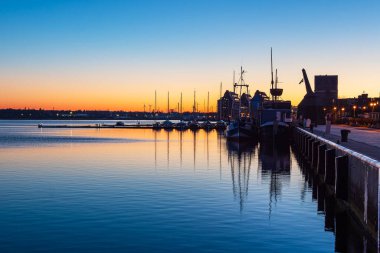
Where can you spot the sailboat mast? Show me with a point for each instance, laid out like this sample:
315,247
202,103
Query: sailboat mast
208,102
155,101
168,102
181,102
194,105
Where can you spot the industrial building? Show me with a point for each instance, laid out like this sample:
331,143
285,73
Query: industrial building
315,103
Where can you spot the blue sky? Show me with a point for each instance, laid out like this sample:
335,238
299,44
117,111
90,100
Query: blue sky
111,46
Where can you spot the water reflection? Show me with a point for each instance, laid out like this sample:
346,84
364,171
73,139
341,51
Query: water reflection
240,160
127,186
275,167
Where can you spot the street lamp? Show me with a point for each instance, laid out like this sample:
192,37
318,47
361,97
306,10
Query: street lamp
354,107
373,106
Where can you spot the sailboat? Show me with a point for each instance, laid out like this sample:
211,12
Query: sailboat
241,127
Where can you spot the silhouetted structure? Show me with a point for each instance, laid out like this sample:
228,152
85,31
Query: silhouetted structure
314,104
227,105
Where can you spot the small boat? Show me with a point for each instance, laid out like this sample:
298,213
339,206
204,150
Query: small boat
207,125
193,125
167,124
156,126
181,126
220,125
119,123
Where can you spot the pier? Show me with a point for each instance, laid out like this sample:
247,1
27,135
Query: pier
347,172
167,125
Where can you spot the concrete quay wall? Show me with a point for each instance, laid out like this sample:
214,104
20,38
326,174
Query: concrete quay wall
353,177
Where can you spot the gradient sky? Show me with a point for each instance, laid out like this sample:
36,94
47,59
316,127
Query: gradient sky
114,54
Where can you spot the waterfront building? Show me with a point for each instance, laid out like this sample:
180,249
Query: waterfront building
228,105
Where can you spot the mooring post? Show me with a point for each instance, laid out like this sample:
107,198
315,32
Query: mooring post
321,197
321,159
304,148
330,167
309,149
304,144
341,177
341,231
299,139
329,213
314,156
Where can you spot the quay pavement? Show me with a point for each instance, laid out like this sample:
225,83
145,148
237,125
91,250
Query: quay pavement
362,140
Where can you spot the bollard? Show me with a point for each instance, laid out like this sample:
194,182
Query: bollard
314,156
341,177
321,159
330,167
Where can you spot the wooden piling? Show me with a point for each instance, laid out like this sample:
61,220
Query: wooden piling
309,149
330,167
314,156
341,177
321,159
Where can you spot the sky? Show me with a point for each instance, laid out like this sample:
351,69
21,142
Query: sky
113,55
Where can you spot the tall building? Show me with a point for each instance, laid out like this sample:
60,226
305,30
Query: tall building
326,87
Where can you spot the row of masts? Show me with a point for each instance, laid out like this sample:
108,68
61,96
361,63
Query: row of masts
195,107
275,91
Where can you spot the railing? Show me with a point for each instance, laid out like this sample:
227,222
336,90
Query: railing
362,157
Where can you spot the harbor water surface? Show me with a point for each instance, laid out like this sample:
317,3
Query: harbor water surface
140,190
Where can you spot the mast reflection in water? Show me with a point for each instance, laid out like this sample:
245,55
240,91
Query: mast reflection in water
240,160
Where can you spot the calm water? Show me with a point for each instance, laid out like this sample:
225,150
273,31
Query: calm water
126,190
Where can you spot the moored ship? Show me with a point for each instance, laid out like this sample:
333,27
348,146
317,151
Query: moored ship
241,126
273,115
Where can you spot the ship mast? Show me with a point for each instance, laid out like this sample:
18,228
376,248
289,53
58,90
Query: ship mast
274,91
271,67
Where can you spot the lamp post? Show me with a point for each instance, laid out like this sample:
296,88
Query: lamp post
335,114
354,107
373,106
